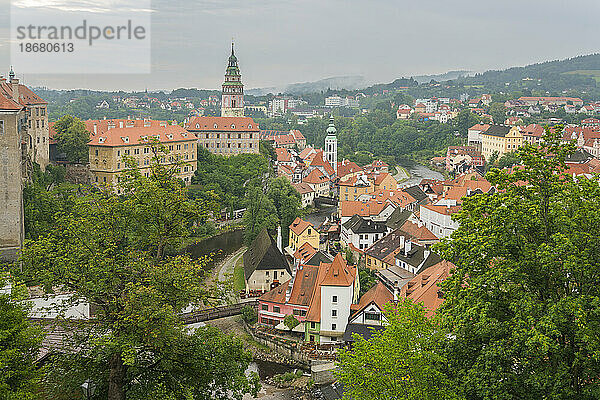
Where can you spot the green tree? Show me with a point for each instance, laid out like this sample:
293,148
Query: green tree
260,213
287,202
266,150
401,361
19,348
498,112
508,160
44,196
109,251
290,322
523,305
367,279
464,120
72,139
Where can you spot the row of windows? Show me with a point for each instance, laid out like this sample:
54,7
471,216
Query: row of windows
229,135
40,112
265,307
229,145
39,123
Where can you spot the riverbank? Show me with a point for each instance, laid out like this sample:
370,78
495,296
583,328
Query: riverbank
401,174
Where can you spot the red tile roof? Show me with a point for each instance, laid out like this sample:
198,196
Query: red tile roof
319,160
220,124
424,289
305,252
347,167
26,96
302,187
299,225
421,233
316,176
139,135
378,294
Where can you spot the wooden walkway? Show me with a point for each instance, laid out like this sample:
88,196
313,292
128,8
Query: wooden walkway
217,312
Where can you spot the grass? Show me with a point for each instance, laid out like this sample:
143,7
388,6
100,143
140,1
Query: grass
594,73
239,282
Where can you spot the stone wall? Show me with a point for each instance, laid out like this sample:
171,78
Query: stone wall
11,187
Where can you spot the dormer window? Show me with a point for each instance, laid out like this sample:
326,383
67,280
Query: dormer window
197,126
215,126
125,139
232,126
250,126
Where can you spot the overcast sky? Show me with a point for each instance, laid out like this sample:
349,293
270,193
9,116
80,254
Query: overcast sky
285,41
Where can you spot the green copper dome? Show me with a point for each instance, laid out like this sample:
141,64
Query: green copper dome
331,128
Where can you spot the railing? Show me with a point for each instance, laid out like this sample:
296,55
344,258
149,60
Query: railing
216,312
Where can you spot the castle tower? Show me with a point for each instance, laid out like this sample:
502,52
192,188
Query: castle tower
232,96
331,145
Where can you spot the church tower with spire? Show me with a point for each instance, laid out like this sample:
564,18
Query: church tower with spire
232,96
331,145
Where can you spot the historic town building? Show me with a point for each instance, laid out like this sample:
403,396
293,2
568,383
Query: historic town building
226,136
112,140
23,141
232,96
331,145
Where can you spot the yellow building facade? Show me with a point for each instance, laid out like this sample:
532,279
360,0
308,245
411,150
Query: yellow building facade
302,232
501,139
112,142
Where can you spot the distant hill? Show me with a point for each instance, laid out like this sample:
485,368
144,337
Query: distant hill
334,83
577,73
450,75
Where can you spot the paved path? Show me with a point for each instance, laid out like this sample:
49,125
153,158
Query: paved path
228,265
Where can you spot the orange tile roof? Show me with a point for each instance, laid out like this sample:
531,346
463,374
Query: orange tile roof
220,124
276,295
319,160
346,167
421,233
327,277
305,252
7,103
378,294
364,209
299,225
283,155
339,273
424,289
304,284
303,187
399,197
445,210
139,135
26,96
316,176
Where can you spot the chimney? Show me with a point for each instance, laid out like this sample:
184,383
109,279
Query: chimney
14,83
95,128
401,241
407,247
395,293
279,239
120,124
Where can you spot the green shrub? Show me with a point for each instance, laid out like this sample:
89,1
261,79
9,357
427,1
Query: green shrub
290,321
249,315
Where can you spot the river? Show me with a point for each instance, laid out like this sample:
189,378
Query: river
419,172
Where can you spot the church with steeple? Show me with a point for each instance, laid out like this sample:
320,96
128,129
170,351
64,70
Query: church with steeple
232,96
